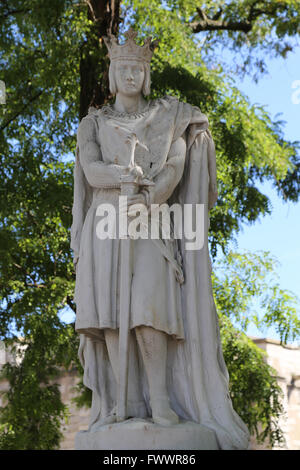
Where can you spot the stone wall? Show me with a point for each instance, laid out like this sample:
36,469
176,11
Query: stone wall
286,361
79,417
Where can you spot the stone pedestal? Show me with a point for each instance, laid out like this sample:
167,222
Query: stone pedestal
140,434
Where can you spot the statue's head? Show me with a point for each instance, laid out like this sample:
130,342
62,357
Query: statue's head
129,71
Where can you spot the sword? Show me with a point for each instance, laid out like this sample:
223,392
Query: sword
129,185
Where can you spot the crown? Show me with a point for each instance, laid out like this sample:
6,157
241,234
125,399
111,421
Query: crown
129,50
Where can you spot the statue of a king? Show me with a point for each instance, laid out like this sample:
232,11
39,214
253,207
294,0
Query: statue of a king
175,369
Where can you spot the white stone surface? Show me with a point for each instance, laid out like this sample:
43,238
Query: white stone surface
138,434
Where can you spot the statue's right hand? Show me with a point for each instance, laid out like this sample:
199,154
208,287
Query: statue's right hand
136,170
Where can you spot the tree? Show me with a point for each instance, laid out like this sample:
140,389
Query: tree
243,284
54,64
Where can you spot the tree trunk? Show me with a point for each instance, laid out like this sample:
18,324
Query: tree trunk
94,63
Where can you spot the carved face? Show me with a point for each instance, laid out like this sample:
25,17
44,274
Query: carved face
129,77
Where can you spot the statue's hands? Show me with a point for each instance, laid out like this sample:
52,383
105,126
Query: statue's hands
136,171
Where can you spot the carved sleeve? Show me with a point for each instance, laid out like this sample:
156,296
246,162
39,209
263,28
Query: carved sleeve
98,173
167,180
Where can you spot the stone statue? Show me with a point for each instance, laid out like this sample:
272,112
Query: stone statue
149,336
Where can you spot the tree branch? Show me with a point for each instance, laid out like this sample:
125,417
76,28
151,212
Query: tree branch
35,97
71,304
202,22
214,24
13,12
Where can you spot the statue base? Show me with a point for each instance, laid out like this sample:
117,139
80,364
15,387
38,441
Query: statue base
141,434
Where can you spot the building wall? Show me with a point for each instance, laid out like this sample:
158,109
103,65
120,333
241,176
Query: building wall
286,361
78,418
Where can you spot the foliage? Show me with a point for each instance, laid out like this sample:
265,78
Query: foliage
250,147
256,395
246,290
46,49
251,29
33,410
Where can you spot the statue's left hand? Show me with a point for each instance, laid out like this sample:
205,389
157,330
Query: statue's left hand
136,170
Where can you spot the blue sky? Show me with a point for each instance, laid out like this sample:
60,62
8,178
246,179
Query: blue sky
279,232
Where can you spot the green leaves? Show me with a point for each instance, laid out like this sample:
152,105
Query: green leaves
246,291
31,418
250,148
256,395
37,274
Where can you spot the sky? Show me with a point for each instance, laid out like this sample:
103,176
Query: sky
279,232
